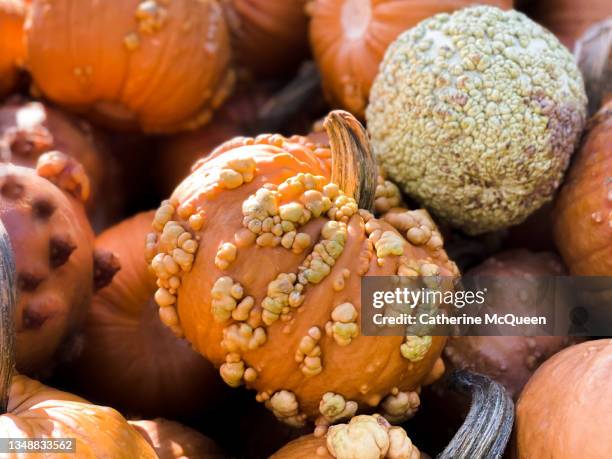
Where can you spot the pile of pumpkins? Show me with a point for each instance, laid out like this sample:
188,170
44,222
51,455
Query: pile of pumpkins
192,191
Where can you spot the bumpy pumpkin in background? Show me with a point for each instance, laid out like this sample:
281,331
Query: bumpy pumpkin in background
566,408
568,19
349,39
362,437
510,360
583,211
269,37
259,255
29,129
475,115
57,268
12,46
161,66
172,440
150,372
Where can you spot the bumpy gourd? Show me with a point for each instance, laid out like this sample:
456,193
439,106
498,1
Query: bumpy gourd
583,211
151,64
57,267
269,37
476,115
349,39
29,129
172,440
152,372
565,408
259,256
12,46
370,437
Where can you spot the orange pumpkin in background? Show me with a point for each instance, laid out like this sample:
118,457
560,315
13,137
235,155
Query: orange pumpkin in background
258,255
583,211
349,39
12,46
150,372
269,37
568,19
29,129
149,64
172,440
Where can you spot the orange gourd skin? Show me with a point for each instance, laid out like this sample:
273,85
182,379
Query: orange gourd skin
349,39
29,129
306,447
151,372
583,211
510,360
565,409
54,255
12,49
365,370
36,411
568,19
158,66
172,440
269,37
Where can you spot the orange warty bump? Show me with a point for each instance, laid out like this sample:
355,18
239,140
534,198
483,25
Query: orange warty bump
155,65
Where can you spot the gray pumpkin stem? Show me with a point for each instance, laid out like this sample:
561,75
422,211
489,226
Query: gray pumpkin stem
8,301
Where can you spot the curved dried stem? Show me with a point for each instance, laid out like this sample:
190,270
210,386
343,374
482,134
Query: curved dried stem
488,425
8,300
353,165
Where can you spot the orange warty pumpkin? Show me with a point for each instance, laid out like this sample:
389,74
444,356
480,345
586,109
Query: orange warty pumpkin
565,409
362,437
568,19
151,372
259,253
12,46
510,360
172,440
161,66
29,129
583,211
269,37
57,267
349,39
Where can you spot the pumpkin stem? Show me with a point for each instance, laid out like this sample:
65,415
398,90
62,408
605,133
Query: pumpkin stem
292,99
8,300
353,165
488,425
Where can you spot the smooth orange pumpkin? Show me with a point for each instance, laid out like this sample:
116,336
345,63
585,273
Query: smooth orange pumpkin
149,64
172,440
259,258
583,211
57,267
566,408
349,39
12,46
29,129
269,37
129,358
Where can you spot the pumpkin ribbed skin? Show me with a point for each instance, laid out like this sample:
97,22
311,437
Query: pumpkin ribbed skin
365,369
172,440
269,37
29,129
53,246
349,39
151,372
12,49
583,211
159,66
566,408
37,411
